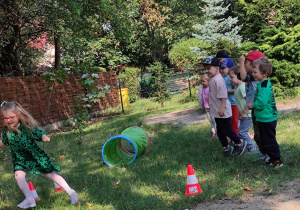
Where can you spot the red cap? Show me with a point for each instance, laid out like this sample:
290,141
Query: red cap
190,170
254,55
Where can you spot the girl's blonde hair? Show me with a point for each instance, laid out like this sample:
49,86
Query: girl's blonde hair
25,118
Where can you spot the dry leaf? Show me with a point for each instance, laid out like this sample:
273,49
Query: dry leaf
259,175
62,157
89,205
117,184
214,195
247,188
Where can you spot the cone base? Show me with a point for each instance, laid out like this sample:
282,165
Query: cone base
192,194
193,190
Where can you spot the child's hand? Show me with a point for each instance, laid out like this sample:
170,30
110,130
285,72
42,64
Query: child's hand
221,112
45,138
242,60
244,115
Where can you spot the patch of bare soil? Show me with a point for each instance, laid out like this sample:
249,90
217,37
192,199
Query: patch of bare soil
288,199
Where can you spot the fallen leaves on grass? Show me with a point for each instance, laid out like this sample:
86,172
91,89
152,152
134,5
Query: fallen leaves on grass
247,188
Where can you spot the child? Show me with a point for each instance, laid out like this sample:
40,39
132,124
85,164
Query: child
246,68
223,54
220,108
203,99
20,133
265,111
240,98
227,63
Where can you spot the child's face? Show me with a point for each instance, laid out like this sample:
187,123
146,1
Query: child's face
233,78
11,119
258,75
212,70
224,71
248,65
204,82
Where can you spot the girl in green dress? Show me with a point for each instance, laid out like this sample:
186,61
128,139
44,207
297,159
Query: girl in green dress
20,133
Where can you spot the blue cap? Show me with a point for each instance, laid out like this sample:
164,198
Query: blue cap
227,62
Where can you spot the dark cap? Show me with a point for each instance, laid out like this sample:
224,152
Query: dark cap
210,60
223,54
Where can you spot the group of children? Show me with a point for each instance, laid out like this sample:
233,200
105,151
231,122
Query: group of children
20,133
237,97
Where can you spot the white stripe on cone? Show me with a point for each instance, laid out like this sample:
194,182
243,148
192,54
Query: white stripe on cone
191,179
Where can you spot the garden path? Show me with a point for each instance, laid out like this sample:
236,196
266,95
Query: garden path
191,115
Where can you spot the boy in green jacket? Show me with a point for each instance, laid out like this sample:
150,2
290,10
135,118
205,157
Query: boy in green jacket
265,111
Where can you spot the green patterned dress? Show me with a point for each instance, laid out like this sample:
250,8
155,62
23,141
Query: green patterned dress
26,153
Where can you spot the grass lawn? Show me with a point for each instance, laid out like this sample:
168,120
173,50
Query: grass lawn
157,179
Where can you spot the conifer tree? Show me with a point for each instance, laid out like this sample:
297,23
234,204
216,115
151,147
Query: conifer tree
217,26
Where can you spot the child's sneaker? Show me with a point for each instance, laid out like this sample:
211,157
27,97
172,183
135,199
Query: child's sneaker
274,163
27,203
228,151
253,150
240,148
73,197
263,157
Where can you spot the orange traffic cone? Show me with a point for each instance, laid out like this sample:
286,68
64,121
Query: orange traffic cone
192,185
33,191
57,187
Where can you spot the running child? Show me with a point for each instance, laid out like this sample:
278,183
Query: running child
20,133
220,108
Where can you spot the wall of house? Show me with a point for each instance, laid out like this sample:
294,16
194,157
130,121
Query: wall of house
51,107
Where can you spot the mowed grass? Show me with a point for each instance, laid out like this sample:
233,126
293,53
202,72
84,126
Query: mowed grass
157,179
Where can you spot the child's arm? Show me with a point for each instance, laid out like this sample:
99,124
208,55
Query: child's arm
45,138
231,92
1,144
243,72
222,107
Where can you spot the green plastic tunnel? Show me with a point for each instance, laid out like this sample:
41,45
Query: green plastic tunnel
125,148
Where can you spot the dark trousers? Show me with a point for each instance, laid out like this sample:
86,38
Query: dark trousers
257,138
267,132
224,129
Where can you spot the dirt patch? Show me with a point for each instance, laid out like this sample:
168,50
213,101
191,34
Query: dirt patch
288,199
192,116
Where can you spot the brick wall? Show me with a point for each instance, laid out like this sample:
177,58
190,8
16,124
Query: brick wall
48,108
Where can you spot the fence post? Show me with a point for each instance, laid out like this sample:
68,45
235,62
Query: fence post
188,76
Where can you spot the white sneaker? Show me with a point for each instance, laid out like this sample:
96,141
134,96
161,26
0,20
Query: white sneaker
27,203
73,196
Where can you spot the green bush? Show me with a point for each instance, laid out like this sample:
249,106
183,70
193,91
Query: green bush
181,54
130,78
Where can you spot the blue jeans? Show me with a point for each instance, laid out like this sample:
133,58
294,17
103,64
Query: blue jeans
245,125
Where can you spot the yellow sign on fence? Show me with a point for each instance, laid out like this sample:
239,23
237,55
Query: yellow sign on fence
125,97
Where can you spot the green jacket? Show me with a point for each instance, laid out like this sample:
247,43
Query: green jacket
264,102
